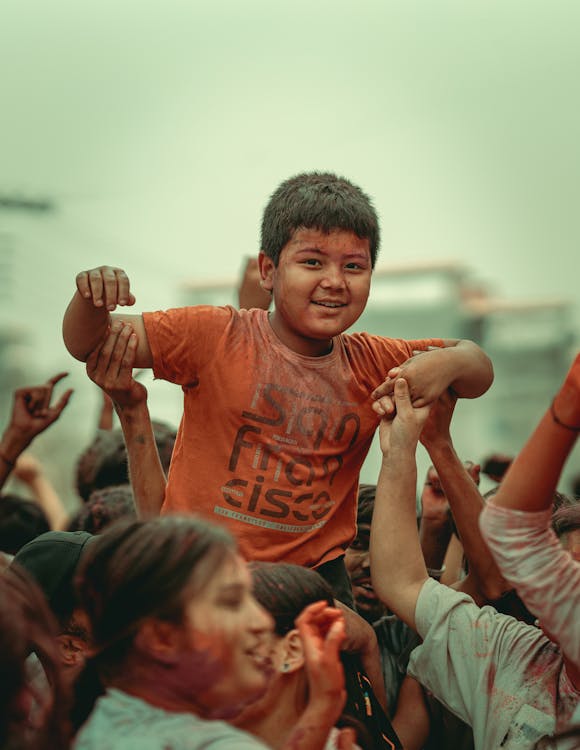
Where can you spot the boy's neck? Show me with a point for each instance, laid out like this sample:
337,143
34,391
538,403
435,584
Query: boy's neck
299,344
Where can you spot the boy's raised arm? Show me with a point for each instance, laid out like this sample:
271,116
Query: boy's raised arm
88,318
459,364
397,565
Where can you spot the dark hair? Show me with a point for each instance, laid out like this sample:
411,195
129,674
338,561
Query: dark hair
284,589
21,521
317,200
104,507
366,503
141,569
566,519
104,462
28,628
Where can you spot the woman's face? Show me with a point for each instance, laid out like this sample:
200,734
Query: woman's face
228,638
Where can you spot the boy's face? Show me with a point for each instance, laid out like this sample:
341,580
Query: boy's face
320,287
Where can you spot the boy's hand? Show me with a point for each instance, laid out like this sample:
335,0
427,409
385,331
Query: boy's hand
110,366
402,431
427,373
106,287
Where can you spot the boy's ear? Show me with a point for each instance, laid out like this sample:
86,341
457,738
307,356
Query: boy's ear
267,270
292,652
160,640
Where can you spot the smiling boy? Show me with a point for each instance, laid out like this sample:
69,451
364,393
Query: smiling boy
278,408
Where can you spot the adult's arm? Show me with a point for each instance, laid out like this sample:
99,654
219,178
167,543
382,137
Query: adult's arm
110,366
397,566
32,413
516,523
484,581
87,320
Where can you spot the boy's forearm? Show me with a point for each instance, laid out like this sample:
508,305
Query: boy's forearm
145,470
84,326
474,367
466,504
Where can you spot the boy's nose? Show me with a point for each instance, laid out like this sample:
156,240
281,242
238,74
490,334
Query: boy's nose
333,278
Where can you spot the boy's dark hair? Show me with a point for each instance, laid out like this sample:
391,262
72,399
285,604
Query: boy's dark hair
21,521
104,462
317,200
141,569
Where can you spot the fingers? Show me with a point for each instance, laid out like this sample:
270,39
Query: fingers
106,286
384,406
111,365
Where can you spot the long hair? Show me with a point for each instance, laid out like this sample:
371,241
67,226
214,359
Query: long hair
141,569
29,642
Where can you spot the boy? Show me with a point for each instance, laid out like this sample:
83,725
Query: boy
278,413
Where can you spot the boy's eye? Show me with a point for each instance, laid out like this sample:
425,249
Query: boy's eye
314,262
353,266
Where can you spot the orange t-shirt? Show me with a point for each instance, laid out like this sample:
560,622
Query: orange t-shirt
271,442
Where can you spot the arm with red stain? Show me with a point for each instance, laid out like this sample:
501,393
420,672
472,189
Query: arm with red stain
516,523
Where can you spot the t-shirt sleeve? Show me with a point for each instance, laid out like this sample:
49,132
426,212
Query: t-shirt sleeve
182,339
545,575
463,648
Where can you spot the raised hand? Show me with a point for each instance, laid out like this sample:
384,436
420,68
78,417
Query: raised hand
32,411
106,287
402,431
322,631
110,366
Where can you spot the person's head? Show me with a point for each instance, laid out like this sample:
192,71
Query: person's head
104,462
357,558
319,245
21,521
33,703
103,508
566,524
284,590
321,201
52,560
172,613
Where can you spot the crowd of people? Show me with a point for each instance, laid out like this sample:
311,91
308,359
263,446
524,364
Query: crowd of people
230,583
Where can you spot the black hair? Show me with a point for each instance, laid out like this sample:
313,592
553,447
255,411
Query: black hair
104,507
27,628
141,569
104,462
284,589
21,521
566,518
317,200
366,503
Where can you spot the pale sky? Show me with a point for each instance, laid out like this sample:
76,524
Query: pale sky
160,128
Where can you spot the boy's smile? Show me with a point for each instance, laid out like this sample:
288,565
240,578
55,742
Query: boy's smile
320,287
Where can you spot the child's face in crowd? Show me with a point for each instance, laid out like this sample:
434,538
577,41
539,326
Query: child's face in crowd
320,287
230,637
357,562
